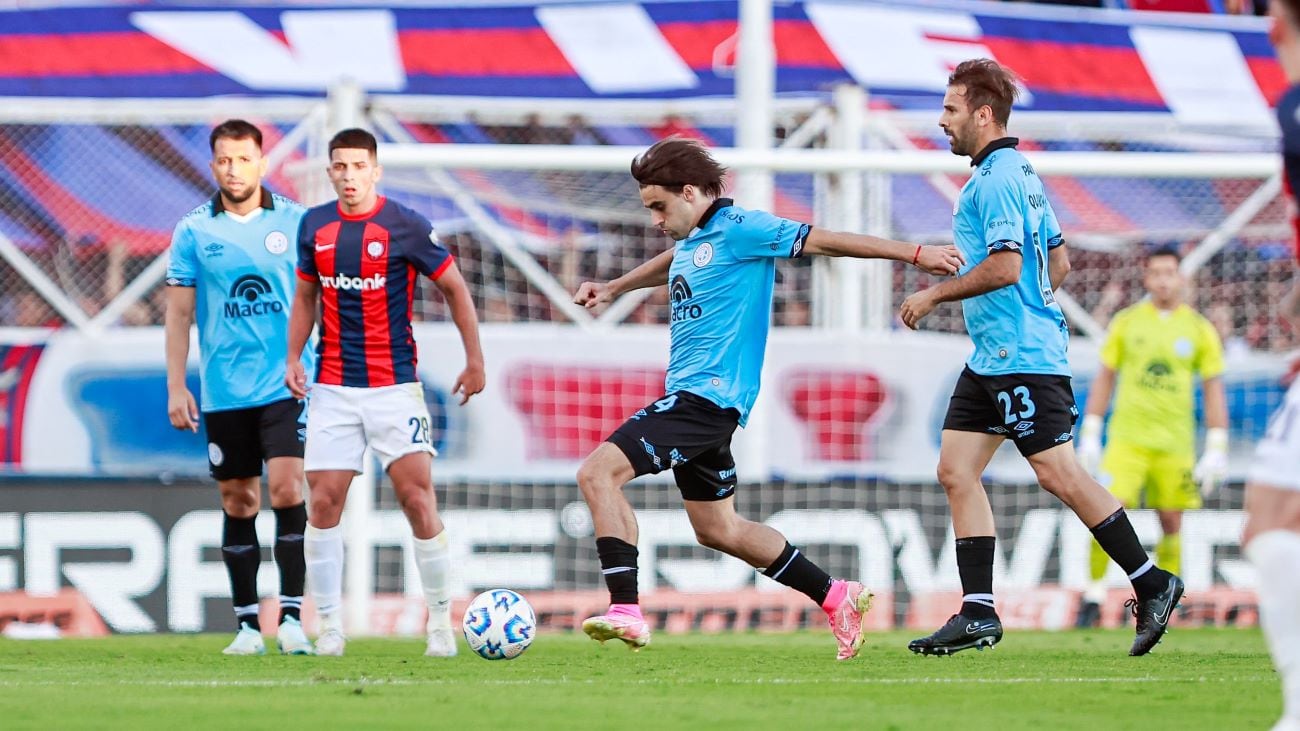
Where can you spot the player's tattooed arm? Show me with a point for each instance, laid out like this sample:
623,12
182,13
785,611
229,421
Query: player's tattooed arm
653,273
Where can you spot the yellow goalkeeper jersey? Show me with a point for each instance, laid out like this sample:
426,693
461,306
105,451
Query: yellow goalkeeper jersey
1157,357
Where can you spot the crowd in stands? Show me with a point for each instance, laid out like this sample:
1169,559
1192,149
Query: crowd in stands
1228,289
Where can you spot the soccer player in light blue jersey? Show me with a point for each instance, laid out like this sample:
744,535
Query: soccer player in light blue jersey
1017,382
720,277
232,264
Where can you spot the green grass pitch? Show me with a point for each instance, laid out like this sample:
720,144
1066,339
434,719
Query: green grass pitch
1197,679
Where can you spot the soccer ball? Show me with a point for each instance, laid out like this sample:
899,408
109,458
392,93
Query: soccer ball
499,624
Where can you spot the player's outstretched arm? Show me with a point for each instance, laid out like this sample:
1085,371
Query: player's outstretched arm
999,270
473,379
653,273
182,410
302,317
932,259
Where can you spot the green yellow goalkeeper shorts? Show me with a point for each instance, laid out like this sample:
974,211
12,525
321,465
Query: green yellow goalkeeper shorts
1127,470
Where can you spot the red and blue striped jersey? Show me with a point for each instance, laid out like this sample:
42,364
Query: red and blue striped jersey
367,266
1288,117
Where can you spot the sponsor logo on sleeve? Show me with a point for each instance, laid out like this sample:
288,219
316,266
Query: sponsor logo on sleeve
800,238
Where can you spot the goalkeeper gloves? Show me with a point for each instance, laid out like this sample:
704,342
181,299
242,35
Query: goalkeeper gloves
1212,468
1089,446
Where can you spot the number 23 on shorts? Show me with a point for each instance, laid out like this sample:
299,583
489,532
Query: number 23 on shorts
1013,411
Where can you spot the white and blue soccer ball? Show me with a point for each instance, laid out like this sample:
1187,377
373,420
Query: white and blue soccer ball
499,624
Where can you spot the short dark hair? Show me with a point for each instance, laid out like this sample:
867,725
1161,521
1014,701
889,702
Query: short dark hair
988,83
355,138
676,162
1164,250
234,129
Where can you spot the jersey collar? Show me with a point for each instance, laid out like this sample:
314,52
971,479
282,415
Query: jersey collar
993,147
717,205
268,202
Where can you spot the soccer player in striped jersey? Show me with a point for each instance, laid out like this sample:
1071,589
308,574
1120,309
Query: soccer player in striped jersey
720,276
1017,382
1155,349
1271,538
231,263
359,259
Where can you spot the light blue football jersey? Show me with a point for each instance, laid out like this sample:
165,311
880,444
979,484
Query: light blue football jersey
1019,328
243,272
720,288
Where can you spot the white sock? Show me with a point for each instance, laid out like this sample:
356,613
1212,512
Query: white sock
1276,554
1096,592
322,549
433,559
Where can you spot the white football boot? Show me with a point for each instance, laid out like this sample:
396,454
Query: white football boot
292,640
442,643
248,641
331,643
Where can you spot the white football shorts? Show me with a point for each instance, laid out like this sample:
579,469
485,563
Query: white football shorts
343,420
1277,458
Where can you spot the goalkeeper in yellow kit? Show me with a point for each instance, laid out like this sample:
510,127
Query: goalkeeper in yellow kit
1155,349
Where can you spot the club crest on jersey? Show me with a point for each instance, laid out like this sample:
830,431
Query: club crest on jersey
703,254
276,242
375,249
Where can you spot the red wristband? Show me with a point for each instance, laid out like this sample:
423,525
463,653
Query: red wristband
917,256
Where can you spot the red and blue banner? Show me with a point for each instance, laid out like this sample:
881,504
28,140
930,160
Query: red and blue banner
1071,59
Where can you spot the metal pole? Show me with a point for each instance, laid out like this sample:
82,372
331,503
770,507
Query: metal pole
847,135
43,285
755,87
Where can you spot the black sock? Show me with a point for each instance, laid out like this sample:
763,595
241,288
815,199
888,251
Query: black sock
1116,537
242,555
975,566
793,569
618,564
290,523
